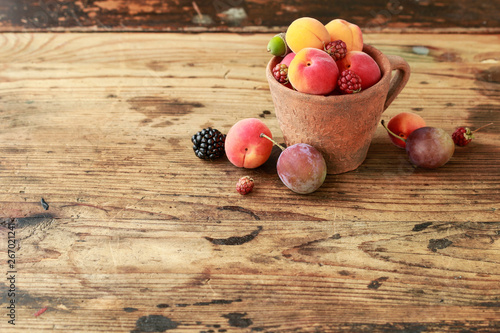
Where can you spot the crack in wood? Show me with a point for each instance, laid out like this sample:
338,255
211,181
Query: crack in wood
236,319
421,226
235,240
438,244
154,323
377,283
240,209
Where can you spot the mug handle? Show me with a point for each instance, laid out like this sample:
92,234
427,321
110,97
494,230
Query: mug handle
399,80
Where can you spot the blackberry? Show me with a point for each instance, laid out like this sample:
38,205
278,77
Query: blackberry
208,144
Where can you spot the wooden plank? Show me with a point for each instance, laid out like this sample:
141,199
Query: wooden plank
99,125
240,15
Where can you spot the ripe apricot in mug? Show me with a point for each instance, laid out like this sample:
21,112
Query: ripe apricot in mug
363,65
347,32
313,71
306,32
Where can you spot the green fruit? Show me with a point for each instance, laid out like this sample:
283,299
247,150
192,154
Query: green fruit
277,45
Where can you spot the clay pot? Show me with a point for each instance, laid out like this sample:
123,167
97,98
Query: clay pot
340,126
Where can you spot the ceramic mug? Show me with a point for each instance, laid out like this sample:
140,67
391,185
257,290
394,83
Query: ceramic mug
341,127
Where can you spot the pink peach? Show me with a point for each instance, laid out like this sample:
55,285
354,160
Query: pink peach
244,146
313,71
348,32
362,64
288,59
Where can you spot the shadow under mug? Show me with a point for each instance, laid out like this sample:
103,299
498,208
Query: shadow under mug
341,127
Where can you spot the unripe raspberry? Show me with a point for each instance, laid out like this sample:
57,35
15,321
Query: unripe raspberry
280,73
349,82
336,49
244,185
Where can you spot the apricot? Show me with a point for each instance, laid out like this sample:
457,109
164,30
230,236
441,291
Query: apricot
306,32
288,59
313,71
402,125
348,32
362,64
244,146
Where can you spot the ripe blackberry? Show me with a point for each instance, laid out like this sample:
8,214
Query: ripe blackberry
349,82
336,49
280,73
208,144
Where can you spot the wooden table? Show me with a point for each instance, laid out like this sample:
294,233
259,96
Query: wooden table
139,235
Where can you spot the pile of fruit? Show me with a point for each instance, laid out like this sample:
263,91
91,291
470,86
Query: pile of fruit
323,59
427,147
249,144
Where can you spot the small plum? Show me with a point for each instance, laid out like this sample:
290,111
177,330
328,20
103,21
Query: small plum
402,125
428,147
301,167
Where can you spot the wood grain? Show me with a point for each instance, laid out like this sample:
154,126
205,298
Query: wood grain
245,15
141,236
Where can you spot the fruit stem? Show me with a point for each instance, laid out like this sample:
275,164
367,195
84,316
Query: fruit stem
262,135
390,132
481,128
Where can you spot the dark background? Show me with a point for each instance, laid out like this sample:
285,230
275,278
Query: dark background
247,15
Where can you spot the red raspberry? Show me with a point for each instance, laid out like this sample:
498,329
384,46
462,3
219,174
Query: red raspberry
349,82
462,136
336,49
280,72
244,185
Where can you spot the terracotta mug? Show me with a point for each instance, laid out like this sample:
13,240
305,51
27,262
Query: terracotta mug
339,126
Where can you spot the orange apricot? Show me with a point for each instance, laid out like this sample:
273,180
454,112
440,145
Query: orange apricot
348,32
306,32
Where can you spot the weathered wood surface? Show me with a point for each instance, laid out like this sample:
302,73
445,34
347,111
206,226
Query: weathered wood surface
245,15
99,125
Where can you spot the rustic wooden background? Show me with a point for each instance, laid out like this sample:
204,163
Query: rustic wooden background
245,15
141,235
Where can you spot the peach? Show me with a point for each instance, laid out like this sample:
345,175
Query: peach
288,59
244,146
306,32
348,32
313,71
403,124
362,64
